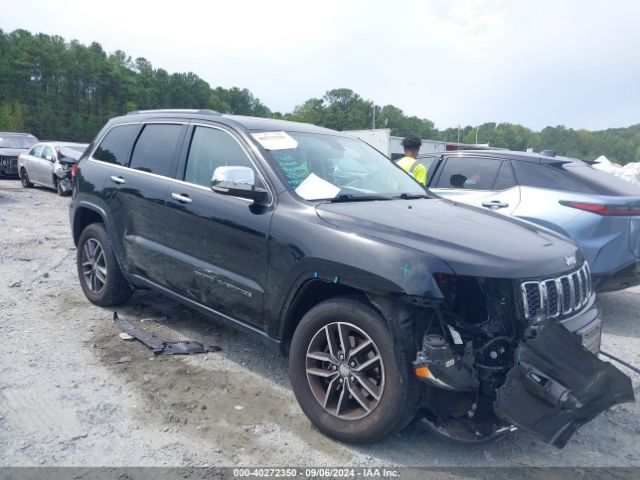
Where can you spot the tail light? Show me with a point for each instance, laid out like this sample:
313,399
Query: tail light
74,171
602,209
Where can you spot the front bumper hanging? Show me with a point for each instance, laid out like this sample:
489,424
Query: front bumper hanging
557,385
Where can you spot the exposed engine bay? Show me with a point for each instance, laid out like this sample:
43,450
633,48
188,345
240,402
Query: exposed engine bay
489,369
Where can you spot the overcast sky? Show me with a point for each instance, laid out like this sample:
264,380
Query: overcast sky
538,63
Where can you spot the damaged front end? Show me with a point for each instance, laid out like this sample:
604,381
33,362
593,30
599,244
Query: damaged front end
499,354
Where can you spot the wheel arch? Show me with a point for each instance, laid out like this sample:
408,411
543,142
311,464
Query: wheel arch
308,295
84,215
399,315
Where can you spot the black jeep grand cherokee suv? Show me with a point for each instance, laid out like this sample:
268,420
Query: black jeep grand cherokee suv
389,301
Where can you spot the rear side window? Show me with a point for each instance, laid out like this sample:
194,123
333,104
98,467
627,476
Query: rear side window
116,146
603,183
505,178
469,173
155,150
582,179
212,148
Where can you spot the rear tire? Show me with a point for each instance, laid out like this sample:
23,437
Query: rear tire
24,178
98,271
357,416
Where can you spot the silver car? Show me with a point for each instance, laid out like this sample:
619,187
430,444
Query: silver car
44,163
597,210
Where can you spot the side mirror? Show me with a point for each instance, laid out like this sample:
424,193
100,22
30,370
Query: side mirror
237,182
49,158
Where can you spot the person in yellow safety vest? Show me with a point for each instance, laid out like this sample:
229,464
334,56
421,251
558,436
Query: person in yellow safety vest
409,163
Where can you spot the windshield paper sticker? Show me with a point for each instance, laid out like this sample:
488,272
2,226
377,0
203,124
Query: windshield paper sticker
314,188
275,140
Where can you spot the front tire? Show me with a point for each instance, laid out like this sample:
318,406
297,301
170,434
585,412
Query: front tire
98,271
24,178
59,188
346,374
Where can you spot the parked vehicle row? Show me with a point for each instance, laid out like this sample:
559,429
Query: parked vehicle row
600,212
50,164
391,302
13,144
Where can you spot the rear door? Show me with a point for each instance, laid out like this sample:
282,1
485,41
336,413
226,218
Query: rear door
136,194
581,202
218,245
479,181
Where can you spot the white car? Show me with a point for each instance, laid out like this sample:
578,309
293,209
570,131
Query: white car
38,165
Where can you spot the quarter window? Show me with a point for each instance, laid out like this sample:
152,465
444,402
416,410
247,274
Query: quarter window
116,146
155,149
469,173
212,148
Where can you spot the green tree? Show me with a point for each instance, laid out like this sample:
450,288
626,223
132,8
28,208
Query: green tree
311,111
346,110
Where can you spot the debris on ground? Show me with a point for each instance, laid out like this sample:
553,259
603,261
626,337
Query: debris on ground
160,346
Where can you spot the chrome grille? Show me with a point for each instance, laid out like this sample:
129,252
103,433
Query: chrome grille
4,160
557,297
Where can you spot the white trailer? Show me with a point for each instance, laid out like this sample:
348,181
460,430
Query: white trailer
382,140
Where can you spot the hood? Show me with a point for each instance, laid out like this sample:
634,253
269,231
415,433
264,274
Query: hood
471,241
69,155
12,152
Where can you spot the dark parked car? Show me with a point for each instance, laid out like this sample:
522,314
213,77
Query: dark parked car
11,145
597,210
388,302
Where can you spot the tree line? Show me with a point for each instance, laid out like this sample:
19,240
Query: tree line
66,90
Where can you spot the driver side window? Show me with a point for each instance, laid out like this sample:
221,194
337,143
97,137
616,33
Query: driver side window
48,152
36,151
212,148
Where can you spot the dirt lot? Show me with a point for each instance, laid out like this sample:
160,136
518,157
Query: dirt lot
73,393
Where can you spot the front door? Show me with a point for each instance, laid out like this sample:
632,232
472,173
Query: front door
45,166
217,246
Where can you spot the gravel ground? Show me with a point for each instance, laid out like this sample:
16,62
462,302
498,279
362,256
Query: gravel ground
72,393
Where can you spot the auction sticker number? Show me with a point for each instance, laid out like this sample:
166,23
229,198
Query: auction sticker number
265,472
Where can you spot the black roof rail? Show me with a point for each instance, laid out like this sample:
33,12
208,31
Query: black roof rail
201,111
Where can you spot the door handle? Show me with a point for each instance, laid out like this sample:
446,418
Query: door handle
181,198
495,204
116,179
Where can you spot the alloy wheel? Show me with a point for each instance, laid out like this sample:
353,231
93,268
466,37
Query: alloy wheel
345,371
94,266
